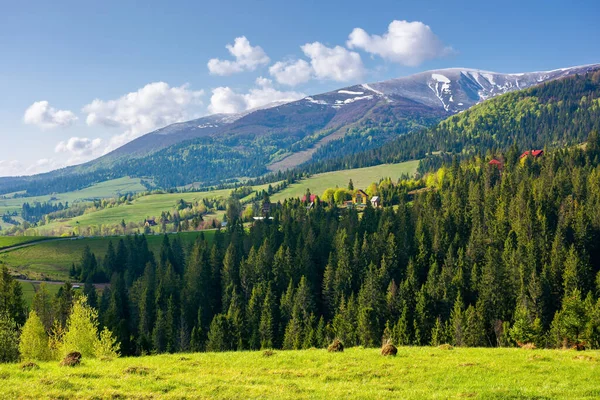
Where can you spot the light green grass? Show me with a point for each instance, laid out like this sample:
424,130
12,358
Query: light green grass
10,241
138,210
416,373
361,177
52,260
30,288
101,190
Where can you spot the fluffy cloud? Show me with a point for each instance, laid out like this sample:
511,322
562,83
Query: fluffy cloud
151,107
43,115
247,57
406,43
16,168
333,63
78,146
226,100
291,73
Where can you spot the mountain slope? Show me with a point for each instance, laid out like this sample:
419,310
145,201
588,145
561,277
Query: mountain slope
557,113
342,122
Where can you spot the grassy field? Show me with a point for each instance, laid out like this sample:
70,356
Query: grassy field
361,177
138,210
52,260
416,373
10,241
29,289
108,189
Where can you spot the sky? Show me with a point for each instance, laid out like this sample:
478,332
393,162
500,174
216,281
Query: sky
80,78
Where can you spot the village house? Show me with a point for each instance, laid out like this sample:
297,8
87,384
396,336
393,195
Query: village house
533,153
496,163
149,222
360,198
376,201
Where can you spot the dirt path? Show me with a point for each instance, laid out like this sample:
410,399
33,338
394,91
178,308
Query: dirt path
37,282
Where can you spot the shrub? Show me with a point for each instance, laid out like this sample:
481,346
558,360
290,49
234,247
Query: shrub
34,339
389,349
29,366
72,359
107,347
336,346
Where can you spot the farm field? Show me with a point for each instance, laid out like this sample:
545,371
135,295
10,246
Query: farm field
108,189
29,289
415,373
138,210
361,177
52,260
10,241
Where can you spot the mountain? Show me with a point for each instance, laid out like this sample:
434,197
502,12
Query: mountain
222,147
558,113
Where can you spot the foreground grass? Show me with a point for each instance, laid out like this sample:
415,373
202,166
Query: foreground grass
416,373
52,260
361,177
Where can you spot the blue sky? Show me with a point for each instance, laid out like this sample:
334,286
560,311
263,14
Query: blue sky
146,63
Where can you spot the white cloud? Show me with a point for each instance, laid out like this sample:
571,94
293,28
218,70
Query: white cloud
17,168
337,63
406,43
226,100
291,73
43,115
247,57
79,146
149,108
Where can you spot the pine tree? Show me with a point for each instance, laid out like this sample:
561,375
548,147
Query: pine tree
218,334
9,338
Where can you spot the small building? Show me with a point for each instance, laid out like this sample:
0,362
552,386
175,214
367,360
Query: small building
376,201
496,163
360,198
150,222
312,198
533,153
268,208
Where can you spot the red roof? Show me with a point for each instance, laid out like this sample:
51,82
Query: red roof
495,162
534,153
313,197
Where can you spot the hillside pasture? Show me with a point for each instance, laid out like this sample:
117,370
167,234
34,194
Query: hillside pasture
52,260
415,373
361,178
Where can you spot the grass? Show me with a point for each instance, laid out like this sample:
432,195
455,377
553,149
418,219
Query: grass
108,189
361,177
30,288
10,241
416,373
52,260
138,210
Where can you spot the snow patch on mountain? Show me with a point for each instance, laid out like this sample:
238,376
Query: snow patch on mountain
349,92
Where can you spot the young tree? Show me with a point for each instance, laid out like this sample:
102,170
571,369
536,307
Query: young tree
81,333
9,338
34,339
107,347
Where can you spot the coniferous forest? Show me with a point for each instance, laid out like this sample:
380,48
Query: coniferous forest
484,256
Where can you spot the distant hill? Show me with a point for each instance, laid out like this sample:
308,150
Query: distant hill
343,122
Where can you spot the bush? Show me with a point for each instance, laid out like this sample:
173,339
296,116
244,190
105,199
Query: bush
336,346
34,339
72,359
107,347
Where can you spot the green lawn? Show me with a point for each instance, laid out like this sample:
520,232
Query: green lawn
9,241
361,177
416,373
52,260
29,289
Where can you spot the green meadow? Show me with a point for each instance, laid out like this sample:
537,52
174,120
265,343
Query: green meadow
361,178
52,260
415,373
10,241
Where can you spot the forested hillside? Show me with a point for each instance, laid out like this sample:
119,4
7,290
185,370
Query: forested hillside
484,257
554,114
